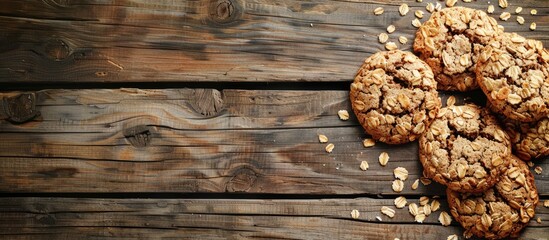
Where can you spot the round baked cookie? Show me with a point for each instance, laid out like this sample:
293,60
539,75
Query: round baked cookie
394,96
501,211
513,72
464,149
529,140
450,42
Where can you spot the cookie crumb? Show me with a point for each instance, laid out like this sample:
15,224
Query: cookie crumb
383,158
403,9
343,115
503,3
398,185
490,9
364,165
538,170
383,37
415,185
505,16
388,211
322,138
444,218
355,214
533,26
368,142
378,11
400,202
518,10
330,148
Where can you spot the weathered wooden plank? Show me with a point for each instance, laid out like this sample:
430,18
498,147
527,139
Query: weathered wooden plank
156,141
70,218
206,40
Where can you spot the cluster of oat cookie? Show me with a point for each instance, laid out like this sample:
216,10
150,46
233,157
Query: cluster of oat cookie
491,192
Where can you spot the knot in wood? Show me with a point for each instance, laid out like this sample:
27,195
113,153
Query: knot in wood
242,181
138,136
207,102
20,108
224,11
57,49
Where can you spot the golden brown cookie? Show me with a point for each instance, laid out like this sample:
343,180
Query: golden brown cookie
529,140
513,72
464,149
394,96
501,211
450,42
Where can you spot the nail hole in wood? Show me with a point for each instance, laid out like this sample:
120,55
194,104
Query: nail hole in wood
20,108
138,136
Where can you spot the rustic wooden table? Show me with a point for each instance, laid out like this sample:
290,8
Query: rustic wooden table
199,119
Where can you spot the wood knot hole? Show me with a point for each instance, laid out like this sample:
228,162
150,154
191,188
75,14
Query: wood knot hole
138,136
57,49
242,181
20,108
208,102
224,11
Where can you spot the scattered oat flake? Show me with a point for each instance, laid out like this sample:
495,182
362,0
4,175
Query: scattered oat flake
364,165
415,185
401,173
378,11
435,205
355,214
416,23
444,218
533,26
419,1
425,181
330,148
388,211
538,220
378,218
490,9
418,13
413,209
518,10
453,237
322,138
383,158
450,101
438,6
398,185
343,115
423,200
503,3
383,37
450,3
420,218
520,20
546,203
538,170
403,39
391,28
403,9
391,46
400,202
530,164
430,7
505,16
467,1
368,142
427,209
533,11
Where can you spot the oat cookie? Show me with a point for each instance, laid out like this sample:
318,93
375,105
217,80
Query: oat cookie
529,140
394,96
450,42
464,149
502,210
513,72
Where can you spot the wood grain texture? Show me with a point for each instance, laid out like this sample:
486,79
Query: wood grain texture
206,40
77,218
133,140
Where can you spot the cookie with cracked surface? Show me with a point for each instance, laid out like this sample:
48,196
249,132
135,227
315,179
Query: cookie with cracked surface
513,72
529,140
464,149
501,211
450,42
394,96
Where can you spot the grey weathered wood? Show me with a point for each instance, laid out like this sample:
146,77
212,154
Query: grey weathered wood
134,140
206,40
71,218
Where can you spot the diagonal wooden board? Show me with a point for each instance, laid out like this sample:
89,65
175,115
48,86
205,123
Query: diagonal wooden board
255,141
78,218
209,40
